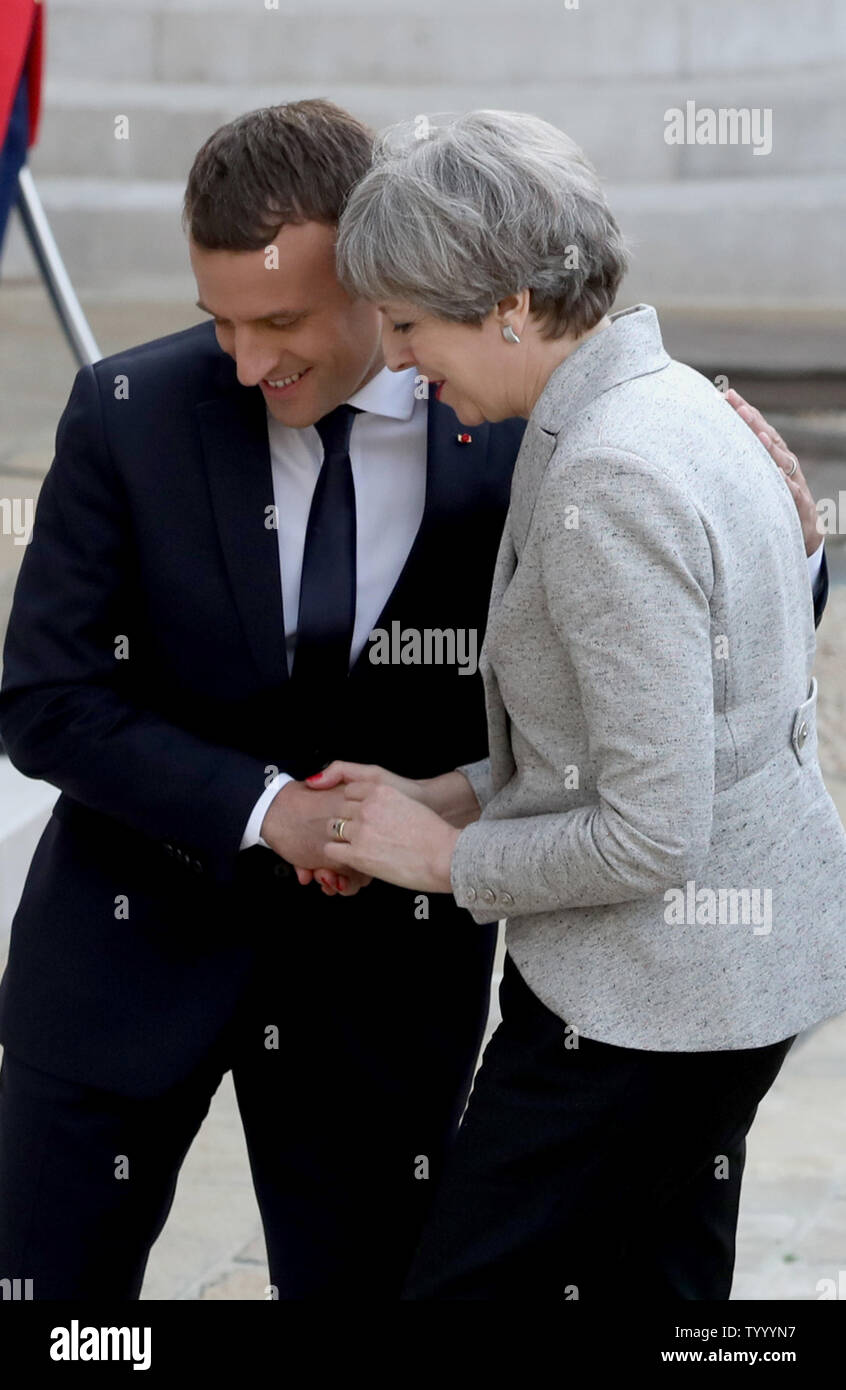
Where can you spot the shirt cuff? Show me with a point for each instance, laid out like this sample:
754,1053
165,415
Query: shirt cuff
815,563
252,834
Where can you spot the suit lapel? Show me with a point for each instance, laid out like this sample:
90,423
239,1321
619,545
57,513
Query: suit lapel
233,428
499,742
453,469
452,473
536,449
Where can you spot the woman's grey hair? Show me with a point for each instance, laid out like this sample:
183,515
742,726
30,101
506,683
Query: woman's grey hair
454,217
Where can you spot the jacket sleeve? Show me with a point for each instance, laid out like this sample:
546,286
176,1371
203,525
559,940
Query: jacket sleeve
479,776
628,593
66,712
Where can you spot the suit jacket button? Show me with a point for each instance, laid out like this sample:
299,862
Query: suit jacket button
506,899
470,895
488,896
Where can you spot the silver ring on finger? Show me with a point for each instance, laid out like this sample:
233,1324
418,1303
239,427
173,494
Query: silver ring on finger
794,466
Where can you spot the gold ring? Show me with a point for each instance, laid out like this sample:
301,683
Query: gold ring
339,831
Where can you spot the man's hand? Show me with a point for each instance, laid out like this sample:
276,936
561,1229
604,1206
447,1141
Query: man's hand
295,828
779,452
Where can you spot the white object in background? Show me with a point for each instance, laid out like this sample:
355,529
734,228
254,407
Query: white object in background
25,806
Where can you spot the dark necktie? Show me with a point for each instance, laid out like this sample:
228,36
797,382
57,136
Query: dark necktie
326,615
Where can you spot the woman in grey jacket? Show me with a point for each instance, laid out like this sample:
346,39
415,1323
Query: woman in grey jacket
652,821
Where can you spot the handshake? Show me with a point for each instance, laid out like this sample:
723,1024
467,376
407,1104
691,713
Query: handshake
391,827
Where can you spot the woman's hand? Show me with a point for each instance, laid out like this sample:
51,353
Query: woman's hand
393,837
332,882
450,794
340,772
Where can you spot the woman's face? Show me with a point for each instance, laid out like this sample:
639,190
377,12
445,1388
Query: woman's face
469,361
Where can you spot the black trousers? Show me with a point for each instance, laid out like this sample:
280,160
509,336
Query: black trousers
596,1172
352,1056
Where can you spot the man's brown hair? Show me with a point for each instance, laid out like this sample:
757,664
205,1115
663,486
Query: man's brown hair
281,164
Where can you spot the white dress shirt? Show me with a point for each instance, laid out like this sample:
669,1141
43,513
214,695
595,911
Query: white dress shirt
388,459
815,563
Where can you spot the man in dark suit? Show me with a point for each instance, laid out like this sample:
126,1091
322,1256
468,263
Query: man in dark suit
231,512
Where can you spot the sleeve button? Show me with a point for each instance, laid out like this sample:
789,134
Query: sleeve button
488,896
506,900
470,895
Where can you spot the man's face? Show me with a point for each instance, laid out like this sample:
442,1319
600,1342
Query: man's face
294,319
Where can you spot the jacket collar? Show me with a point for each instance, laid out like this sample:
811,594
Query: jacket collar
630,346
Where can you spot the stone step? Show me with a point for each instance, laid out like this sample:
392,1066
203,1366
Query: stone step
691,240
167,122
115,236
243,41
733,242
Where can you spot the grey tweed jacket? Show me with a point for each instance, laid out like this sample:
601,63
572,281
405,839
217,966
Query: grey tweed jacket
655,826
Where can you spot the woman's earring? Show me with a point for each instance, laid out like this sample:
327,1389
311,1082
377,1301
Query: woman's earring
509,335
